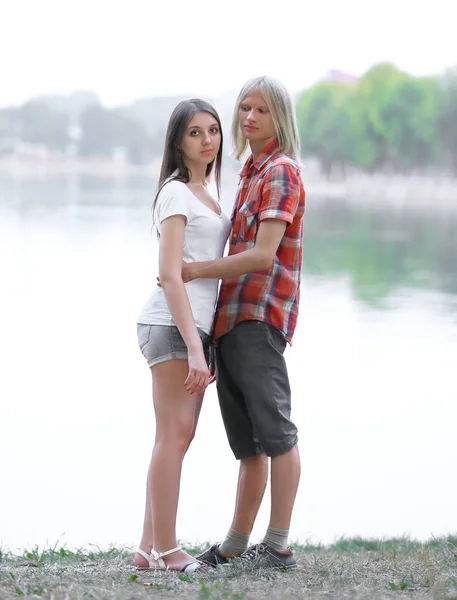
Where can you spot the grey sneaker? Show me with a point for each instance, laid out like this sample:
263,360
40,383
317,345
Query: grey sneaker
213,557
265,556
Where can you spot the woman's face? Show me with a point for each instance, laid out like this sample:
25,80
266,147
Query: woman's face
201,140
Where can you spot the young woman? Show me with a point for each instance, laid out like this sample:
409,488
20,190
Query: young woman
175,324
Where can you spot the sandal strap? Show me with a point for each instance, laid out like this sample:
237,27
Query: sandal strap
158,556
143,554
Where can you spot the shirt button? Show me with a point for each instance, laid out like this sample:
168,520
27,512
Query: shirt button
234,236
246,185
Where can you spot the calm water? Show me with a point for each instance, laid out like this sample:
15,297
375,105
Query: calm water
372,369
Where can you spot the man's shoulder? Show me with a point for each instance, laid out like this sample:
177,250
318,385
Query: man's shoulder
279,160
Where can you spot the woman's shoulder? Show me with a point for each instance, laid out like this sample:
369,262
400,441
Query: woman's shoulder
173,199
173,193
172,187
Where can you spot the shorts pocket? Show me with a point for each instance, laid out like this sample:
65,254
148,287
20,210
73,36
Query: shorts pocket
144,333
205,342
203,336
276,338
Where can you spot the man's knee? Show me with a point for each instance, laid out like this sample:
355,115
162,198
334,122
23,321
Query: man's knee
255,461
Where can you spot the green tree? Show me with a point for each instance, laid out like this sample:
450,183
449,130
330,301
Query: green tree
412,123
387,120
448,120
322,119
375,95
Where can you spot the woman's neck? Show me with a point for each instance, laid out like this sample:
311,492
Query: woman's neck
198,173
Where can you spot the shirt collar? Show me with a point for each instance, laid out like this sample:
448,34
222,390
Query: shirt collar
267,152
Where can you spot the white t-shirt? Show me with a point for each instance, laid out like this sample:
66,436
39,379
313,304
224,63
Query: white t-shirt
205,235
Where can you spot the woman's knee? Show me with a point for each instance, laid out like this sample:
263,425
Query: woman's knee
177,438
192,435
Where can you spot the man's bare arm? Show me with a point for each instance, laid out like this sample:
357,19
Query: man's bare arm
259,258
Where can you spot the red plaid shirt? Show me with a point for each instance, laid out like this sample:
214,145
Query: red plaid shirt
269,188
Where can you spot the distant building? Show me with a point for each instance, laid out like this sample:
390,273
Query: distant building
336,75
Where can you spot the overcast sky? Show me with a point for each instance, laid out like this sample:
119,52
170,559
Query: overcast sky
128,49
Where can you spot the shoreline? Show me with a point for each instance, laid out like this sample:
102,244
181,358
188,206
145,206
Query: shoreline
429,191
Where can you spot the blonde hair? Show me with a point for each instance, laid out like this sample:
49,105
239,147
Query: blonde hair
280,105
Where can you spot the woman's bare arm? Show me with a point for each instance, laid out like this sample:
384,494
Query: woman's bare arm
170,264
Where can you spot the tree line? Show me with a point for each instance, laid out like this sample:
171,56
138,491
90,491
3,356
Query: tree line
385,121
79,125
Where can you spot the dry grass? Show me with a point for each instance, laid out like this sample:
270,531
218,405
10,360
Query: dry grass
352,569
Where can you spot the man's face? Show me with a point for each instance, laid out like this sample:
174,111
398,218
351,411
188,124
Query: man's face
255,119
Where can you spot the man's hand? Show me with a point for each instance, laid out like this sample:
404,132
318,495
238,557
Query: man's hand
188,272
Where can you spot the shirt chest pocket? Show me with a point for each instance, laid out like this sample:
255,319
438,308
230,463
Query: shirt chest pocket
249,223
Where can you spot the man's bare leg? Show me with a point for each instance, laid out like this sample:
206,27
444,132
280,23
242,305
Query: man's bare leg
285,476
252,481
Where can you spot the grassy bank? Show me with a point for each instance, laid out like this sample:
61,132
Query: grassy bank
350,568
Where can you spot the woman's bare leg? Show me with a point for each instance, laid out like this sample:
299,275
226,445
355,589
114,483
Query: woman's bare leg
176,420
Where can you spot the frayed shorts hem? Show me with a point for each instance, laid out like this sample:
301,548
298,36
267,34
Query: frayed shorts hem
165,357
159,343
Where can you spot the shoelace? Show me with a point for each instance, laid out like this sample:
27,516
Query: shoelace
253,552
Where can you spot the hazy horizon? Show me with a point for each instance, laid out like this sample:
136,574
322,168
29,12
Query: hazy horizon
59,48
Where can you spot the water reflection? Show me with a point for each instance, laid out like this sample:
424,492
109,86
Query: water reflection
378,249
371,369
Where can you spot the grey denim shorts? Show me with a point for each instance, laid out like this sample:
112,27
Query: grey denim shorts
159,343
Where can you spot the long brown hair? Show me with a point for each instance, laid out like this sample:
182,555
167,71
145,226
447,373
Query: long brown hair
172,156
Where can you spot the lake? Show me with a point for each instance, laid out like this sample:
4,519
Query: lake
372,370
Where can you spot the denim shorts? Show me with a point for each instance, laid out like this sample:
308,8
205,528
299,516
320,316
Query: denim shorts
159,343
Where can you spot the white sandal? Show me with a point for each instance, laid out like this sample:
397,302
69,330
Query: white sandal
157,557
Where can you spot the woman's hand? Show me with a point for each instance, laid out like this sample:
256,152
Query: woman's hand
198,376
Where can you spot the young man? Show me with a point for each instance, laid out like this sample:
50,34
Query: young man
255,318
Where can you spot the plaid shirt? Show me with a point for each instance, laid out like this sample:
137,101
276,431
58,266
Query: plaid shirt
269,188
